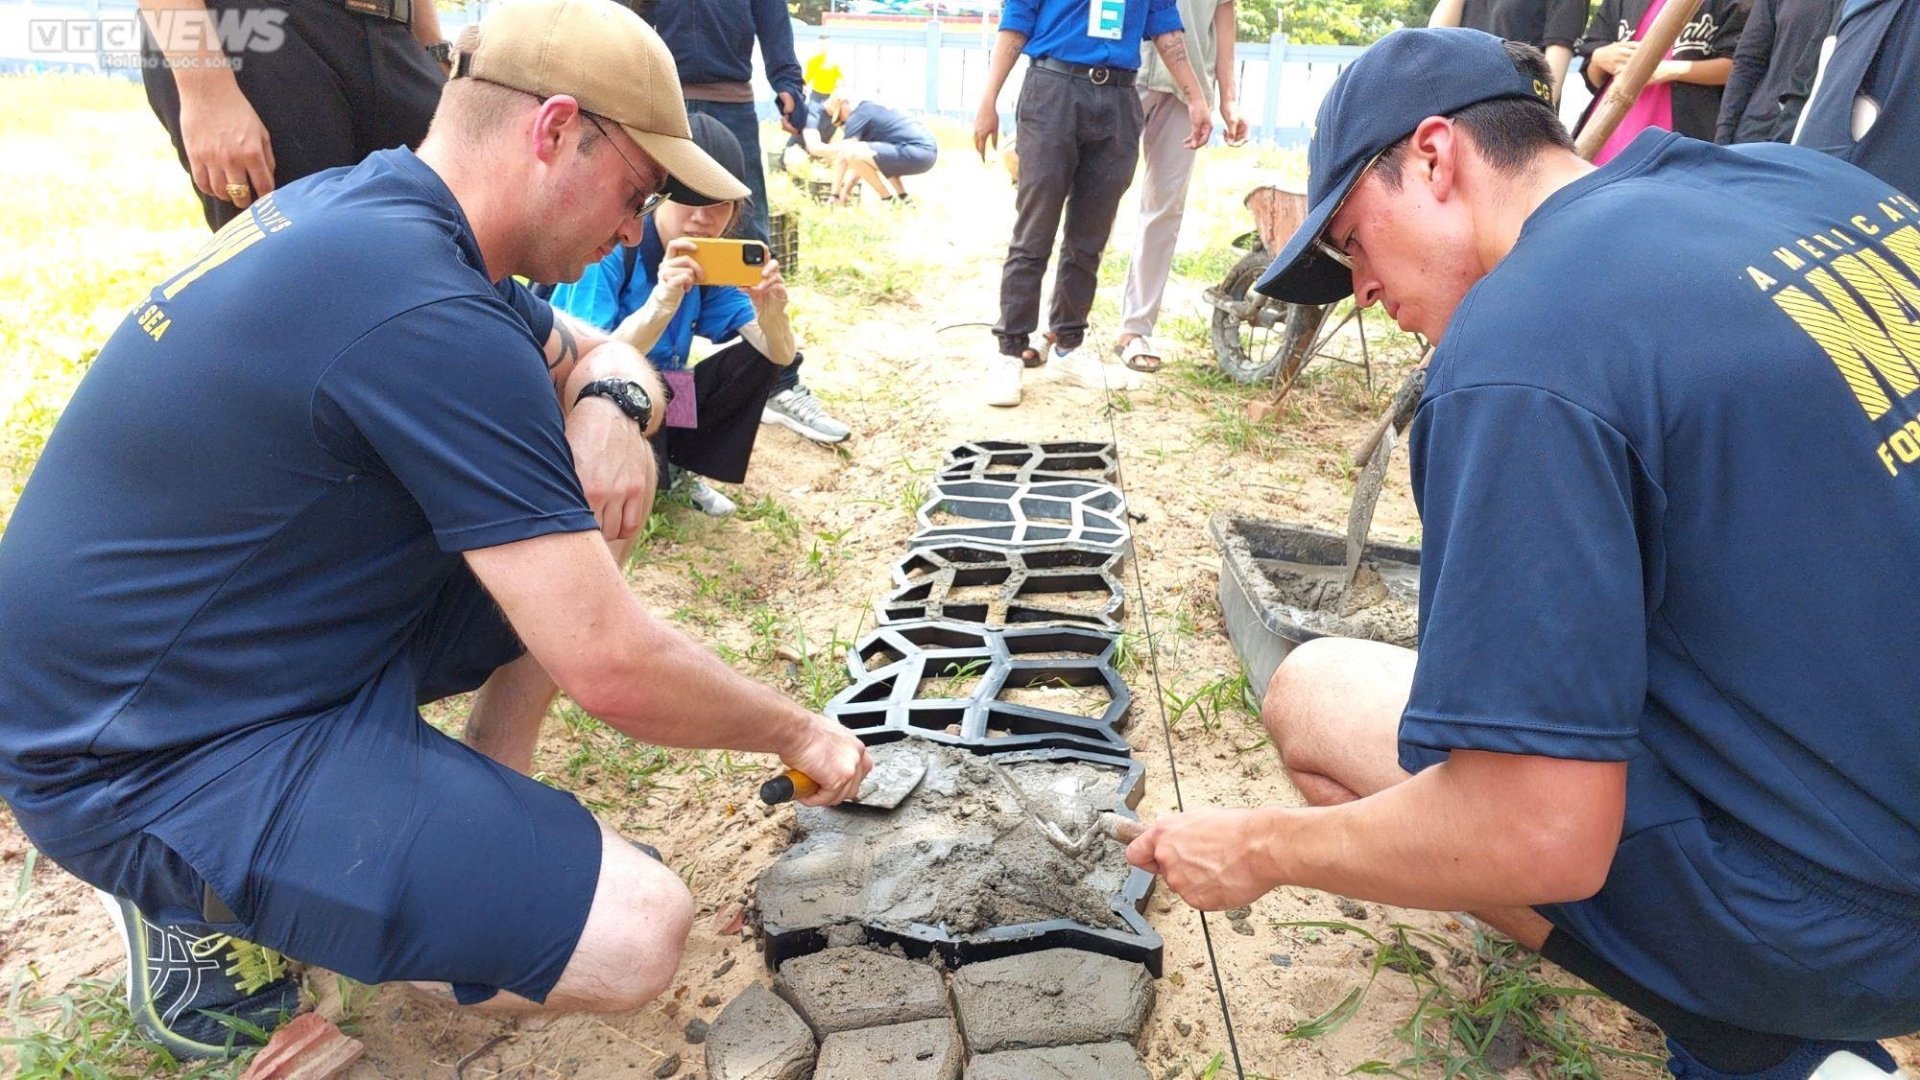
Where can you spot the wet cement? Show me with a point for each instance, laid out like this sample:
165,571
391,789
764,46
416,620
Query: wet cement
1383,603
959,853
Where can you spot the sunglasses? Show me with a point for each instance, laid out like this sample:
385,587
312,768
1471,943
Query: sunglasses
647,201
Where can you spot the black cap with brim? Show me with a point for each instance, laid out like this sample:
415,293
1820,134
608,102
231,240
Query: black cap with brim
1401,80
711,136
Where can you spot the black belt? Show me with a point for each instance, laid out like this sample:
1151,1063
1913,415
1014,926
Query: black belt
400,11
1098,76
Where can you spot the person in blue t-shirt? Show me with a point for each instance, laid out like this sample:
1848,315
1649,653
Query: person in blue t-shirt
1661,723
651,298
877,145
338,466
1864,107
1079,127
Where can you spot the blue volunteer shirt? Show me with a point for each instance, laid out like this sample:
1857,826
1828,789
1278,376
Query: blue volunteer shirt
606,294
1057,29
1680,515
258,490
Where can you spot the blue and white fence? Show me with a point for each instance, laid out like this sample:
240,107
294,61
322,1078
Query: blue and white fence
939,68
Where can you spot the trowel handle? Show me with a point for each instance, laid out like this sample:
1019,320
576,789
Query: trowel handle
1124,829
792,784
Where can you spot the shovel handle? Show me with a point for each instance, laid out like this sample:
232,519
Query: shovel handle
792,784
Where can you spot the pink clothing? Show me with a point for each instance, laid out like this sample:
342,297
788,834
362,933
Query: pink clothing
1652,109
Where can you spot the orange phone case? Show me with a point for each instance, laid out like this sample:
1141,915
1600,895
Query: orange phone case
730,262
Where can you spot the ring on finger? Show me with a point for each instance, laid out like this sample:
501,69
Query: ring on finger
239,193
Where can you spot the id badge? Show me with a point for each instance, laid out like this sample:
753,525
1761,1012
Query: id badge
682,411
1106,19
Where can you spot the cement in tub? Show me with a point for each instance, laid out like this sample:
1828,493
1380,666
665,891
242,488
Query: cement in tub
1280,585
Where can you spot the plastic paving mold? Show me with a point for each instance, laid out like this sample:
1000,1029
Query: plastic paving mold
958,868
1026,463
1023,687
999,587
1006,514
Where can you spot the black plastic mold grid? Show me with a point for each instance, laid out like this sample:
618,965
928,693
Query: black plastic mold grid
1026,463
1027,585
1136,941
1004,514
890,665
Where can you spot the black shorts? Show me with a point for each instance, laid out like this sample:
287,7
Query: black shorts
365,841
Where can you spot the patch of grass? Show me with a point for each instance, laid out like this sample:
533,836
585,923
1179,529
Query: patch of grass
1217,700
87,1034
956,680
1486,1014
774,517
1207,264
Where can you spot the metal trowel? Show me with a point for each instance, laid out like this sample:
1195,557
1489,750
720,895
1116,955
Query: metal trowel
892,779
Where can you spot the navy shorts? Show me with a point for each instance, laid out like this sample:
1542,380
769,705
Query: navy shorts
363,840
1728,925
903,159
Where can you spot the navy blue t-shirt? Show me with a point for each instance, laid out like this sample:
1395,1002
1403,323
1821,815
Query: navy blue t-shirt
873,122
259,488
1676,511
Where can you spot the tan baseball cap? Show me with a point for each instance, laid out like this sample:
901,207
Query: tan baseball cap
610,61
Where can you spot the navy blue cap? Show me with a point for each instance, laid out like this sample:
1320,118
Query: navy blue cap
1401,80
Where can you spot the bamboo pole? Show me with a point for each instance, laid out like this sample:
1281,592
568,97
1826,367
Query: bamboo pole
1626,85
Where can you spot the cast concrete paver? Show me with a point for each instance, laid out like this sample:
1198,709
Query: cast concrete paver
759,1037
1099,1061
922,1050
1059,997
843,989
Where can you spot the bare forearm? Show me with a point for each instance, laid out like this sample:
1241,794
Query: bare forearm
1006,50
186,34
1226,26
1172,48
1559,57
1451,838
678,693
426,23
1703,72
1447,13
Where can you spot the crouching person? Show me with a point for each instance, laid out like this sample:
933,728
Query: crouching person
354,468
654,297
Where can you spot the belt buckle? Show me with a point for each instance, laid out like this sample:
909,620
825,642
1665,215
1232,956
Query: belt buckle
1101,76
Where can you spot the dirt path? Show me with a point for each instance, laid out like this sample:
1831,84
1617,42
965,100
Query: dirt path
781,589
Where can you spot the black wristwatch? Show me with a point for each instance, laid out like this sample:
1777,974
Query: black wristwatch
441,51
630,396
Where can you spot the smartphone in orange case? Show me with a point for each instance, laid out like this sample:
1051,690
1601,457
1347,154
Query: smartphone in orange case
730,262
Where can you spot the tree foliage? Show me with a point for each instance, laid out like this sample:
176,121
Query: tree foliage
1329,22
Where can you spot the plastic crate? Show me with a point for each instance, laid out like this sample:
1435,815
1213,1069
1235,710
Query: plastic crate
783,236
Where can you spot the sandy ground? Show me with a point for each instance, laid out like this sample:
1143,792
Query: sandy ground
910,390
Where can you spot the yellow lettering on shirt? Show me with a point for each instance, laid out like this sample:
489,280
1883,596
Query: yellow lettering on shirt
1760,279
1859,221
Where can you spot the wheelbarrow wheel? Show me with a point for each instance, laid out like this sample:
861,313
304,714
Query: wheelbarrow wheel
1255,354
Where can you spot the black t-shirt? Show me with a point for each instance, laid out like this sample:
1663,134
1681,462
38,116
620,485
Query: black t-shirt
1538,23
1713,33
1772,70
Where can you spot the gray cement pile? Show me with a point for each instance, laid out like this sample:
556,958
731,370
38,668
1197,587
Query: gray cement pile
1382,605
959,853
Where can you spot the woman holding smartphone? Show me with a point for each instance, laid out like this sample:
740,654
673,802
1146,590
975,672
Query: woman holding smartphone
656,298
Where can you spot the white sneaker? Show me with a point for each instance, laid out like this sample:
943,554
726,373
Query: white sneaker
711,502
1081,367
1003,381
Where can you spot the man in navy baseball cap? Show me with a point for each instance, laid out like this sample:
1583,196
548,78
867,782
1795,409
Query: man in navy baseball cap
1405,78
1667,398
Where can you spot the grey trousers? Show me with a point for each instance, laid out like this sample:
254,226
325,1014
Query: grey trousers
1078,146
1163,203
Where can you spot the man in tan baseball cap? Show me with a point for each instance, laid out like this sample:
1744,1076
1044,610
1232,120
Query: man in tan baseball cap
610,61
395,475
